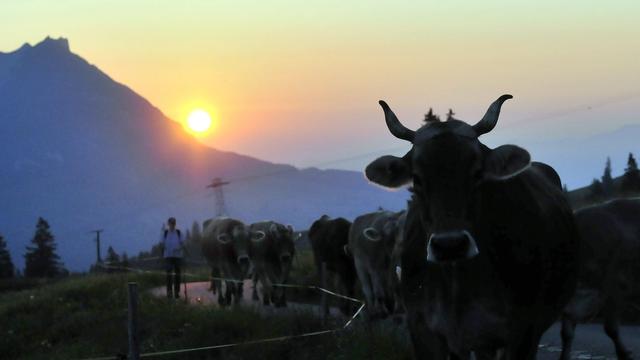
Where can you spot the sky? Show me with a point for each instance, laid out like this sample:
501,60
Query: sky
298,81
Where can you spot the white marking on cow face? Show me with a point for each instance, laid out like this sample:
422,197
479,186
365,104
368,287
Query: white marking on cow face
258,236
371,234
399,272
224,238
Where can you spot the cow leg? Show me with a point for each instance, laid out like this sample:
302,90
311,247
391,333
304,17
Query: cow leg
611,327
254,293
266,289
567,333
221,295
212,285
240,290
524,346
228,292
237,287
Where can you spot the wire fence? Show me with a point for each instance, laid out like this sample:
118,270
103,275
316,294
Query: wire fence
109,266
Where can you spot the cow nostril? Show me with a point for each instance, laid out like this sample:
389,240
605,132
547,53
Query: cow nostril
451,246
243,260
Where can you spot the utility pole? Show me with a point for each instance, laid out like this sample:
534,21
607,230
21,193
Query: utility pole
216,185
97,232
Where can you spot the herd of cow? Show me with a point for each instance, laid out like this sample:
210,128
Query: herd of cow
487,255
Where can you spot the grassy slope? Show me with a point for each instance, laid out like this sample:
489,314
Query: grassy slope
86,316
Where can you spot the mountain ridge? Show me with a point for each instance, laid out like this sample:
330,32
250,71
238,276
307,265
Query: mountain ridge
86,152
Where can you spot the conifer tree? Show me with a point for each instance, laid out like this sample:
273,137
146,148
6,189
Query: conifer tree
430,117
41,259
450,115
607,179
631,177
7,270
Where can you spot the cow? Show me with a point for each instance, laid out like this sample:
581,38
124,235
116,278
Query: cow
372,239
610,253
490,252
329,242
271,251
225,246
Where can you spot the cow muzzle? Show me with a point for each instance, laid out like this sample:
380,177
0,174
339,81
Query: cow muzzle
451,246
243,260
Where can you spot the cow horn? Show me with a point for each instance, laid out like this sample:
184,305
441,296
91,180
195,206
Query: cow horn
260,237
223,238
397,129
490,118
371,234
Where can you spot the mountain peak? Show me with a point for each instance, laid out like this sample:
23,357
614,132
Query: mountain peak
49,43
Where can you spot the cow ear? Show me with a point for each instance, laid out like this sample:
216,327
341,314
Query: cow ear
505,162
389,171
290,229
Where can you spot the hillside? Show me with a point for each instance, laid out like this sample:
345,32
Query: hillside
86,152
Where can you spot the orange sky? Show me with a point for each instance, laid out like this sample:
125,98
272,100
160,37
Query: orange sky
298,82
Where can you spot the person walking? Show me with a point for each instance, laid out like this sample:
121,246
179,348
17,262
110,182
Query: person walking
172,246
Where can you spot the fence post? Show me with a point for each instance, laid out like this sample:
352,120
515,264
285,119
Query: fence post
324,304
134,345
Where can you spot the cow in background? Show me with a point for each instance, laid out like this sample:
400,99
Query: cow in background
329,240
271,250
372,239
225,246
610,253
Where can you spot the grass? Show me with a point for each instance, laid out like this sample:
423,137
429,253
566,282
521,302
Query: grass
86,317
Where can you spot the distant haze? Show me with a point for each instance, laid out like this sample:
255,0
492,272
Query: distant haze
298,83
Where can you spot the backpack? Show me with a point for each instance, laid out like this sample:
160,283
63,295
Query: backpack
166,232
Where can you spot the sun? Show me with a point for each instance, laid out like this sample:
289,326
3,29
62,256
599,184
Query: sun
199,121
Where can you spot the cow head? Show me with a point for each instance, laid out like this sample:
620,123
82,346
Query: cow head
284,240
238,237
446,164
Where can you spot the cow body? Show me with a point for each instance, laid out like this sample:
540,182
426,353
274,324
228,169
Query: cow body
490,251
610,252
372,239
329,239
271,251
224,245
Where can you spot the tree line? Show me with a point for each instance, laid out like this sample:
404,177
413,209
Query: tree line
607,187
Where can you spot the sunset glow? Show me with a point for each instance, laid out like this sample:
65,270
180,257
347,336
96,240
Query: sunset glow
199,121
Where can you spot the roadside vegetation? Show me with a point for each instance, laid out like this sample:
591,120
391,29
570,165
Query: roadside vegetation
82,317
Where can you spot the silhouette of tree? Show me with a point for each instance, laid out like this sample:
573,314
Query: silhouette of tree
112,256
7,270
430,117
41,259
607,180
450,114
631,177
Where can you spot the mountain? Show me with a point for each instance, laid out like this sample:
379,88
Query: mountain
86,152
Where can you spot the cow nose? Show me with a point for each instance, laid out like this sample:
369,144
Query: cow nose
243,260
451,246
